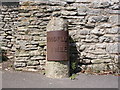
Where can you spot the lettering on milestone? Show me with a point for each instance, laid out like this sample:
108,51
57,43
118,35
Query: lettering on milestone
57,45
57,39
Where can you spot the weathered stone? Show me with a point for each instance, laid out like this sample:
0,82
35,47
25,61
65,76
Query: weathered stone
70,1
86,61
56,24
90,25
17,46
41,44
116,38
82,47
30,68
113,48
115,1
25,14
17,65
23,55
23,32
58,69
97,51
117,12
116,7
72,32
56,14
84,1
34,53
102,46
33,63
37,58
70,8
94,19
73,17
105,4
98,31
104,57
35,33
34,43
10,57
42,62
22,29
82,13
95,12
2,24
98,67
21,59
106,25
9,32
90,40
24,23
81,8
39,14
105,39
54,8
83,32
9,37
114,19
33,26
114,30
68,13
98,61
4,48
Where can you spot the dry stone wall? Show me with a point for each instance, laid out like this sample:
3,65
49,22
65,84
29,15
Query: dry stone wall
94,29
8,27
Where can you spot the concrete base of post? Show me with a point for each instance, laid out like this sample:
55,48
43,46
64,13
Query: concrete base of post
57,69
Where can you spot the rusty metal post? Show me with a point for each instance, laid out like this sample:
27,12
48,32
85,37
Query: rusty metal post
57,65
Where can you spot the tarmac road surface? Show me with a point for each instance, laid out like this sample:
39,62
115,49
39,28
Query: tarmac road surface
11,79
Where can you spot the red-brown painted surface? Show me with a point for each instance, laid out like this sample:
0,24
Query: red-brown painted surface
57,45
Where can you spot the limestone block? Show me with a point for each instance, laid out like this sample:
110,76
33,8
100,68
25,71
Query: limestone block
114,19
58,69
33,63
117,12
37,58
17,65
70,8
56,24
101,4
113,48
70,1
84,32
84,1
117,38
68,13
98,67
105,39
114,30
34,53
98,31
98,61
94,19
116,7
25,14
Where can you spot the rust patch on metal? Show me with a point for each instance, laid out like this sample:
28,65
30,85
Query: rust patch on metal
57,45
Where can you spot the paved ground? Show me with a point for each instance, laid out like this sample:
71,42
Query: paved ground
35,80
